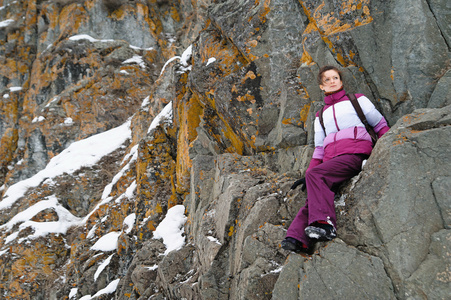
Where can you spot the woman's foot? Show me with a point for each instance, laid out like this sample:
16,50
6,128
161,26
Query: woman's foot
321,231
294,245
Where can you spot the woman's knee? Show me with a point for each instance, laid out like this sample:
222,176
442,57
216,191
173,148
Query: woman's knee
314,173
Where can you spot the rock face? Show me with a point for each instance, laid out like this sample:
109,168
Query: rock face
234,83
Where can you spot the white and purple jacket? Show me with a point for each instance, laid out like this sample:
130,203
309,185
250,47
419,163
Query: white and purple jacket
345,133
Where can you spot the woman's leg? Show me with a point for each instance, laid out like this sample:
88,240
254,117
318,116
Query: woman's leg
297,227
322,179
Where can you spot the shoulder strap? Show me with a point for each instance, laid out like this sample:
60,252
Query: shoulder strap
362,117
320,116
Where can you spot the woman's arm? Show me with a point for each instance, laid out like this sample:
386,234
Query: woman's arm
373,116
318,153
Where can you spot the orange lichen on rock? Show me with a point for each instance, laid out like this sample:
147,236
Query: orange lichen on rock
306,58
33,261
190,113
228,57
71,18
8,145
304,112
263,12
330,24
246,97
250,75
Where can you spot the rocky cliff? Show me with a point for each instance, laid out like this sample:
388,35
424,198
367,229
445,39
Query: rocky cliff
119,117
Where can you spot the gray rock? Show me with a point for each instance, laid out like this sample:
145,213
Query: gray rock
441,96
441,9
441,187
343,272
287,286
255,106
432,279
393,208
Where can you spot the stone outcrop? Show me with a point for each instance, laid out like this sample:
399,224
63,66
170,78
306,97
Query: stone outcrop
240,79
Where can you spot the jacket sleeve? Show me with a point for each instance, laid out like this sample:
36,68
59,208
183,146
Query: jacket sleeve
373,116
318,153
381,128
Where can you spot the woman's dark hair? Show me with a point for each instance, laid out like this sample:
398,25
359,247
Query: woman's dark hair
325,69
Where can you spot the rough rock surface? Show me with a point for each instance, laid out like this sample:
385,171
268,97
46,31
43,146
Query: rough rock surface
240,77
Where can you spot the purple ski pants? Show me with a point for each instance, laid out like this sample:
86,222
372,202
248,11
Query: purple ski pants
320,181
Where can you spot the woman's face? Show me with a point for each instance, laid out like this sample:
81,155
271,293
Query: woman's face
331,81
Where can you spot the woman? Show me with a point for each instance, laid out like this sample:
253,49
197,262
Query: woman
340,149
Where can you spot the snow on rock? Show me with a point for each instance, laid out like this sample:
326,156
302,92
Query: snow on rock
186,55
136,60
79,154
79,37
65,219
171,229
129,221
211,60
102,266
108,242
165,114
109,289
6,23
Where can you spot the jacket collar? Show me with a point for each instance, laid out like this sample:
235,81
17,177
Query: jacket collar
335,98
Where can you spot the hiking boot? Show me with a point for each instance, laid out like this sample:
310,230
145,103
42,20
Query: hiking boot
321,232
294,245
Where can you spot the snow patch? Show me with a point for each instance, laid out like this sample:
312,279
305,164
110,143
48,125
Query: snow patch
186,55
38,119
102,266
79,154
213,239
6,23
15,88
152,268
66,220
80,37
135,60
171,229
129,221
73,293
108,242
164,115
109,289
146,101
210,61
68,121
